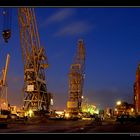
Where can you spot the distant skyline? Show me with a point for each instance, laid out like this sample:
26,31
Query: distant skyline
112,42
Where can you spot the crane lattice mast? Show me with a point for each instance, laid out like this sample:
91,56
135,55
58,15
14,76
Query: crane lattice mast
4,86
35,62
76,79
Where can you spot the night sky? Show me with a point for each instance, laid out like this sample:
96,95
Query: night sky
112,42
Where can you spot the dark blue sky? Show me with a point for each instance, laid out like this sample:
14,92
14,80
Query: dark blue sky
112,41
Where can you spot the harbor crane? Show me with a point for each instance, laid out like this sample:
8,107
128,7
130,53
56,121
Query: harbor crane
76,81
36,97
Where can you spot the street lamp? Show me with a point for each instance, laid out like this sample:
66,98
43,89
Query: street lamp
132,109
51,101
118,102
116,109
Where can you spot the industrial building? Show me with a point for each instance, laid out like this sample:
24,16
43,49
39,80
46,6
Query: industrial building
137,91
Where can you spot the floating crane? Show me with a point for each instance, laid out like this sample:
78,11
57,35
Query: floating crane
36,97
76,81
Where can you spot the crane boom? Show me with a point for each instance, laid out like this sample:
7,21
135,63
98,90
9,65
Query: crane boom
4,86
29,36
6,69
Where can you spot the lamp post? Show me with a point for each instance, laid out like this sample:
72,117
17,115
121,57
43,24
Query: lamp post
118,103
118,107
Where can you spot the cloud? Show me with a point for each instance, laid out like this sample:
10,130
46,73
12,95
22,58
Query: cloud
74,28
59,16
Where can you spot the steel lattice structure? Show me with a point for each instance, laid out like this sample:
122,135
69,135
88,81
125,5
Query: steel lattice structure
76,79
35,62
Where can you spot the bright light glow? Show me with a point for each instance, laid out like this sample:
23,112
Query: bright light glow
51,102
59,112
86,118
67,115
26,114
96,111
116,109
132,109
135,97
82,97
30,113
89,109
118,102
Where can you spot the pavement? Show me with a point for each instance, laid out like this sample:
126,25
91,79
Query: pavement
69,126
